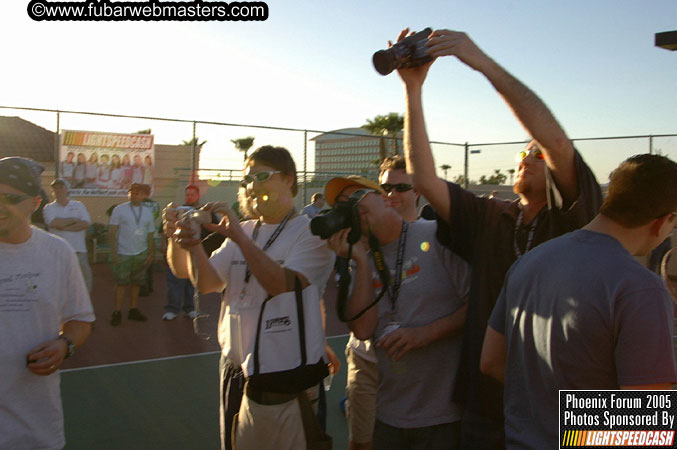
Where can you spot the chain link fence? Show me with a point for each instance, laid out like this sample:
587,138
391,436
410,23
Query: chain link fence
203,152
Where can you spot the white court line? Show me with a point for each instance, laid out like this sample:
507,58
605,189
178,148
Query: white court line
142,361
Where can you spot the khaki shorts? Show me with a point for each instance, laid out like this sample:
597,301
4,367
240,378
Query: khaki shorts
361,389
271,427
130,269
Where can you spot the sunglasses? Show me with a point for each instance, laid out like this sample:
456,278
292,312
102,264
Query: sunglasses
399,187
357,195
538,154
261,177
13,199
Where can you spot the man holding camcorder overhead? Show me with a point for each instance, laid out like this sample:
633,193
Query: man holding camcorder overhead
557,193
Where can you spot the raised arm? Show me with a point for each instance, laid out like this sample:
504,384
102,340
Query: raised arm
529,109
180,260
272,276
417,151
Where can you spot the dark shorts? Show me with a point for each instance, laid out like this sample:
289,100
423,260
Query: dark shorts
446,436
130,269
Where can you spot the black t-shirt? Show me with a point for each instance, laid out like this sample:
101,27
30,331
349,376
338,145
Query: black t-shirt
482,231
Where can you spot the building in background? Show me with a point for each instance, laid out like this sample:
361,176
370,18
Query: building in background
351,151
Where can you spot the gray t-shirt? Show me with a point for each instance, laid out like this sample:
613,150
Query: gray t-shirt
416,391
578,312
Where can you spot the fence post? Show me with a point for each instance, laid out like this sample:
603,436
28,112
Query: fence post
56,147
650,144
305,167
465,167
193,175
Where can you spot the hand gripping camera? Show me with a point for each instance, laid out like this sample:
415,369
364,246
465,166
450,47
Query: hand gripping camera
342,215
409,52
194,217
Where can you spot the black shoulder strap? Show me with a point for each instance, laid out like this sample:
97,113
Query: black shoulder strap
302,322
256,339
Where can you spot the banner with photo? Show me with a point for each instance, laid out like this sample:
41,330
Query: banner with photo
106,164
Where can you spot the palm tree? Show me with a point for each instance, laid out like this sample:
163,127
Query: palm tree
389,125
195,141
511,172
445,167
195,144
243,144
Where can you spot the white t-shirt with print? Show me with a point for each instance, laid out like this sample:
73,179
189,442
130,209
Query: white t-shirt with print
41,288
73,209
295,248
135,223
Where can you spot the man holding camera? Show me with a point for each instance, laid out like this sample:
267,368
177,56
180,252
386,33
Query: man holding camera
362,380
180,291
415,327
558,193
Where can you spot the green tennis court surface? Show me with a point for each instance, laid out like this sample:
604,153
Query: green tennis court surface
167,403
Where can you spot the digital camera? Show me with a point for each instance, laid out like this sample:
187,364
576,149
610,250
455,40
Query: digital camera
342,215
409,52
192,216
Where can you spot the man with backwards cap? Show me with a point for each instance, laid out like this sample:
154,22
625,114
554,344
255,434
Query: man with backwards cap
362,378
69,219
415,326
45,313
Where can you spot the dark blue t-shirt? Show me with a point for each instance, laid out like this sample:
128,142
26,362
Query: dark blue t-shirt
578,312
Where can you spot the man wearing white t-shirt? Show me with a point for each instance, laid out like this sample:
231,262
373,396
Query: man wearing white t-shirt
45,313
69,219
131,230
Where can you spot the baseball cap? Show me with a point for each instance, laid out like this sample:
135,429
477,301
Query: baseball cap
339,184
22,174
61,181
137,187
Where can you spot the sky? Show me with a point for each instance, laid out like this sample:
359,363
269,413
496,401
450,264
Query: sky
308,67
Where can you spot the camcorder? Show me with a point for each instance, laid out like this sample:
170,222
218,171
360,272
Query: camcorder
409,52
342,215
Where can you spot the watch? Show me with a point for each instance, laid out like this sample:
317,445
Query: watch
70,348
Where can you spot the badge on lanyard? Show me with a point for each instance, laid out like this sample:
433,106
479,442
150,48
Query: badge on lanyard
139,230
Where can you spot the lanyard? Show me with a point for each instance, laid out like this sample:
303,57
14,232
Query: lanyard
530,236
394,287
137,219
270,241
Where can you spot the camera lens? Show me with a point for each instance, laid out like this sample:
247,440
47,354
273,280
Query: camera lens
384,62
326,225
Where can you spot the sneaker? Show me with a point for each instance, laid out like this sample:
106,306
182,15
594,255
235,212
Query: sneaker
135,314
169,316
116,318
192,314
